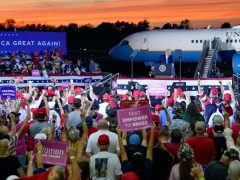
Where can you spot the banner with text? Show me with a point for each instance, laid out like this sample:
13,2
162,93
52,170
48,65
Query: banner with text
14,41
53,152
158,89
134,118
8,92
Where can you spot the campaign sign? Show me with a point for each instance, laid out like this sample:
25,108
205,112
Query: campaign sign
134,118
27,41
134,103
54,152
181,85
87,80
158,89
35,73
8,92
65,84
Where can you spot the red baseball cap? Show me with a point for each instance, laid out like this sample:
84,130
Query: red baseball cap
78,90
60,88
51,93
170,101
214,92
180,92
158,107
19,95
39,111
71,99
125,96
106,96
227,97
103,139
136,94
130,175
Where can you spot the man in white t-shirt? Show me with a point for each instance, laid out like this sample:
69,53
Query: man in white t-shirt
92,146
105,165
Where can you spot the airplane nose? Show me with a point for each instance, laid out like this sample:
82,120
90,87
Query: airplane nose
120,53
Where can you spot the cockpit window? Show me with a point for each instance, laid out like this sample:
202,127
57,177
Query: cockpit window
124,43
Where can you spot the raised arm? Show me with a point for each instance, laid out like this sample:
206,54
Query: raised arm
188,98
165,99
13,125
151,143
199,88
39,158
168,118
60,106
64,129
124,138
30,163
92,94
46,105
221,86
20,131
144,136
75,170
123,153
52,128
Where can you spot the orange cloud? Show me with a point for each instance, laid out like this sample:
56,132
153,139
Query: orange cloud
157,12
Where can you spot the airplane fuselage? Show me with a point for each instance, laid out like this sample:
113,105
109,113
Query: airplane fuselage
147,46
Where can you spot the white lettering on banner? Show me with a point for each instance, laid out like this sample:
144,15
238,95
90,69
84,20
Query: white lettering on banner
23,43
8,91
5,43
49,43
141,123
8,94
53,152
135,113
138,118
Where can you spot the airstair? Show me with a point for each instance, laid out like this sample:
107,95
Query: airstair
208,59
206,65
105,84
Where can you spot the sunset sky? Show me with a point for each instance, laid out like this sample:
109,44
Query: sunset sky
201,13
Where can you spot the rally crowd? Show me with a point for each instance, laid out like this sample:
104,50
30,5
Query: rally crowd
190,138
45,62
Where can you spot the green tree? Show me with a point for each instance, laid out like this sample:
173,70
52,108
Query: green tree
9,24
185,24
167,26
143,25
226,25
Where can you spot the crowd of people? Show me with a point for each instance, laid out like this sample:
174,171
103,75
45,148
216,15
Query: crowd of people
190,137
45,62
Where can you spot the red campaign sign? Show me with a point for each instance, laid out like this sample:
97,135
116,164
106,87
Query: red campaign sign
54,152
130,104
132,119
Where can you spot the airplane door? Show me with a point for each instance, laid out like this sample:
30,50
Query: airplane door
144,43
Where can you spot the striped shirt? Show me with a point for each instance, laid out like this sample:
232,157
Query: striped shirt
13,143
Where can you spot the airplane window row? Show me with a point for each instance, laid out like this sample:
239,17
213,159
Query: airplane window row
231,40
197,41
227,41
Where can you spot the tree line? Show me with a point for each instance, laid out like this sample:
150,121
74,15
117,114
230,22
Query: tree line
102,37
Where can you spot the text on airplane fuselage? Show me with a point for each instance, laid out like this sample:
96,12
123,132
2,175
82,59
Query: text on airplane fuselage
233,34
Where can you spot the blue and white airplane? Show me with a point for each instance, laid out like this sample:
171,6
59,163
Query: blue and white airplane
147,46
